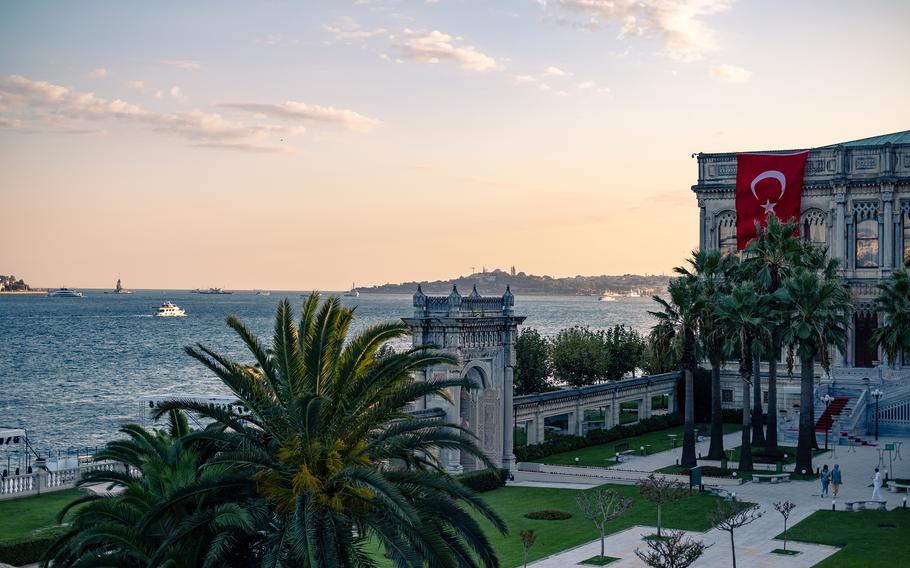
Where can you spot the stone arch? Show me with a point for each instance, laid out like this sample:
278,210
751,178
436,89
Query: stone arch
725,231
813,226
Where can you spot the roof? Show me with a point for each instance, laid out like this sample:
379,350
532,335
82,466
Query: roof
902,137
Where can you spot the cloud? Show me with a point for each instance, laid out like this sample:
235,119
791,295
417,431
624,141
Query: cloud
136,84
182,64
293,110
731,73
176,93
99,73
591,86
556,72
678,23
48,107
524,79
436,46
348,30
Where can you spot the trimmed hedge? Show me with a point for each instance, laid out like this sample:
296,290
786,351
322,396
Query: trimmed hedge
29,549
548,515
483,480
560,444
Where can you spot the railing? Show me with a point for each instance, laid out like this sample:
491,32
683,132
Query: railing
41,481
857,414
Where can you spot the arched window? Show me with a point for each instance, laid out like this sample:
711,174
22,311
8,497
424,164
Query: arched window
726,232
814,228
866,240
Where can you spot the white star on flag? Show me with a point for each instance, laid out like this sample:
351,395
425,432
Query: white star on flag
768,207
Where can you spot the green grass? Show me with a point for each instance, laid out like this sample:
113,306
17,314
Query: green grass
511,503
599,560
864,543
604,454
21,517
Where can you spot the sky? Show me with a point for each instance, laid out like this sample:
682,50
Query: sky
292,145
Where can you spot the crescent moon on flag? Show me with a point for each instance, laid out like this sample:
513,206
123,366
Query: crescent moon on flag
779,176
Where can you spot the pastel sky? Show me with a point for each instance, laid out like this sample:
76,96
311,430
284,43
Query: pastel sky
298,145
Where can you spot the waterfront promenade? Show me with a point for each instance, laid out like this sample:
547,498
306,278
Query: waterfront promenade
754,542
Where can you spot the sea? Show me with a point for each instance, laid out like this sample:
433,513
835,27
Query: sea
72,369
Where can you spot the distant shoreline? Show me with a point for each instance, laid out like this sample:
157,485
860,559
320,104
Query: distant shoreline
22,292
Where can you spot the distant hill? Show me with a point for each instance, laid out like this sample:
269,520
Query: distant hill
494,283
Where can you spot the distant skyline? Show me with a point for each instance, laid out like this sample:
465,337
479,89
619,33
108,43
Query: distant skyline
291,146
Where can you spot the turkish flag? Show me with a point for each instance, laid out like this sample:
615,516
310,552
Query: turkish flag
767,184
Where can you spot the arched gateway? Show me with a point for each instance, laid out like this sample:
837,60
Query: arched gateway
480,332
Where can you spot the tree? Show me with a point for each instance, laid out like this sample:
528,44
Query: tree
325,419
674,551
579,356
785,508
681,312
600,506
532,362
742,314
729,517
660,351
661,490
140,522
713,271
815,314
528,538
626,350
893,303
771,257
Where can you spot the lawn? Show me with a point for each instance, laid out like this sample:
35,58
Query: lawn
21,517
604,454
553,536
869,539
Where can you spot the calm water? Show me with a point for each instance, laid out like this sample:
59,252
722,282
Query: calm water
71,369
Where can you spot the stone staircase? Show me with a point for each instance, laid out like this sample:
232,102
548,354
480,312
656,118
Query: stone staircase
830,415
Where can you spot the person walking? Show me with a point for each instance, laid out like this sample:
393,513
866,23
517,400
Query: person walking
825,477
836,480
877,486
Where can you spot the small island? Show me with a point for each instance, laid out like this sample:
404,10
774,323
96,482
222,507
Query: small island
11,285
495,281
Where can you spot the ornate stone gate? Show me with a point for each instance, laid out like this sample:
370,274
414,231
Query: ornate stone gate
480,332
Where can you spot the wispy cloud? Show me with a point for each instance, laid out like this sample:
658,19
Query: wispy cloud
348,29
182,64
731,73
176,93
44,106
136,84
679,23
593,87
299,111
99,73
436,46
556,72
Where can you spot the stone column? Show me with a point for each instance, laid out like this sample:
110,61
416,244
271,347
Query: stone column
888,241
702,229
453,416
840,226
508,413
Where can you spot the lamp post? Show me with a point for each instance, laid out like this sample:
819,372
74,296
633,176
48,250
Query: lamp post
876,394
827,399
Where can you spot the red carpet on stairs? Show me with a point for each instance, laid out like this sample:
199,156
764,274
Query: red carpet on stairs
830,415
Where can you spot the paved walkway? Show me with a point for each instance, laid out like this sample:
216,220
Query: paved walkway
753,542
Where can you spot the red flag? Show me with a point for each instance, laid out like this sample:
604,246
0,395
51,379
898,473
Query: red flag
766,184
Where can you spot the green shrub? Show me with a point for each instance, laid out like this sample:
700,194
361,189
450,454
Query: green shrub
548,515
28,549
484,479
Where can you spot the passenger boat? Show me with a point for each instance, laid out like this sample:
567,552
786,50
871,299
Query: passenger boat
607,297
169,310
65,293
212,291
352,293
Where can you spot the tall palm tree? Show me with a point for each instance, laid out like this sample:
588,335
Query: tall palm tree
769,259
681,313
893,302
743,314
816,314
136,525
330,445
712,270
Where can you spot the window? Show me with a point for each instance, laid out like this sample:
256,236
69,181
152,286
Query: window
906,224
867,244
726,395
814,229
726,233
765,397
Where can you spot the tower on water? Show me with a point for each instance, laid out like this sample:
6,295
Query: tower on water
480,332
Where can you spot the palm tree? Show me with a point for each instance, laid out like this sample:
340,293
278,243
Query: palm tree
330,445
136,525
681,313
816,315
743,314
769,259
712,271
893,302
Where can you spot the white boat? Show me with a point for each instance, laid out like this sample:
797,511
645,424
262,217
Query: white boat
212,291
352,293
263,293
607,297
65,293
169,310
634,293
119,289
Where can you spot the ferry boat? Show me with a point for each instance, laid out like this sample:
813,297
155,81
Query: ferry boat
65,293
352,293
263,293
119,289
169,310
607,297
212,291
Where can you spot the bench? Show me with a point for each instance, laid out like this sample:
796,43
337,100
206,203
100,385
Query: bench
772,477
894,487
623,451
865,505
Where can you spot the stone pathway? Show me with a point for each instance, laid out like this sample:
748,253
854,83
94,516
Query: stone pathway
753,542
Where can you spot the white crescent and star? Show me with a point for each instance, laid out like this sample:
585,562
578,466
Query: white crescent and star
767,206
